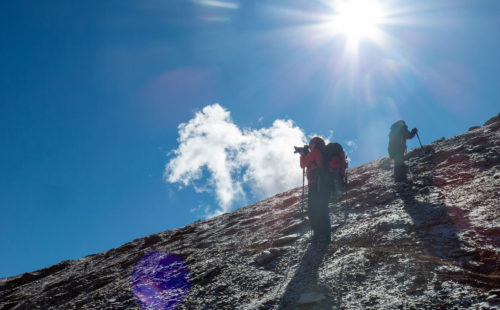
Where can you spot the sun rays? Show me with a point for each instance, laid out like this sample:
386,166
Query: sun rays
357,20
364,50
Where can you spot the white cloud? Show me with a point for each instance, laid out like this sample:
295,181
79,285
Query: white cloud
260,159
352,145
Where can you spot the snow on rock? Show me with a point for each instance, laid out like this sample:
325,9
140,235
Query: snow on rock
285,240
433,243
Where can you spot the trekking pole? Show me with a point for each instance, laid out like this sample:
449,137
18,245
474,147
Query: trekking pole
303,191
303,202
419,140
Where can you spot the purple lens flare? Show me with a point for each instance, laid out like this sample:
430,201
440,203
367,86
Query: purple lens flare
160,281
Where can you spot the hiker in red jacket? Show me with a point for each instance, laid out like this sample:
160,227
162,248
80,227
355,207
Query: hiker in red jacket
318,190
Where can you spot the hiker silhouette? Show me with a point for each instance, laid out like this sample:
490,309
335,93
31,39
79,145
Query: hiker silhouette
319,188
397,147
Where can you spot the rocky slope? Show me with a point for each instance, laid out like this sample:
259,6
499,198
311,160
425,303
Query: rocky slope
433,243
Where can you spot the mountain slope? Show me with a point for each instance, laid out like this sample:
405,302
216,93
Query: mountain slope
433,243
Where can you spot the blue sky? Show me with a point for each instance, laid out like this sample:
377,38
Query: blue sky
93,94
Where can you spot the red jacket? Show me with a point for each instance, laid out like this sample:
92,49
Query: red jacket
312,161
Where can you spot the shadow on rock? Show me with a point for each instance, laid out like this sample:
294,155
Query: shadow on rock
437,231
434,226
304,291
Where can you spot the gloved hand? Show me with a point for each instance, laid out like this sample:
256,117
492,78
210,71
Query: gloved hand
305,150
414,131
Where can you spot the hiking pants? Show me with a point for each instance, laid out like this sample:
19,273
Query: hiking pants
317,210
400,169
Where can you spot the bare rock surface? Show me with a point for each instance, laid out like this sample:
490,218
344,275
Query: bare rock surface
433,243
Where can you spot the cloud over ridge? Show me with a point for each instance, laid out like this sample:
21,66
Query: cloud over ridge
235,159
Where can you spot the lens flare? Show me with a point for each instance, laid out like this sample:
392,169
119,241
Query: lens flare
160,281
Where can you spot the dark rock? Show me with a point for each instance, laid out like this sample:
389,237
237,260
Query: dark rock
478,140
492,120
285,240
295,226
265,258
125,248
151,240
208,274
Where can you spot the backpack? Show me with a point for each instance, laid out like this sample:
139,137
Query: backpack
396,139
336,165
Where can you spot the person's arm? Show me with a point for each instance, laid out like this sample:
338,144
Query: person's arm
304,160
312,156
412,133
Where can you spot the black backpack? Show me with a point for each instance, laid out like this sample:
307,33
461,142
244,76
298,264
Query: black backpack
331,150
396,139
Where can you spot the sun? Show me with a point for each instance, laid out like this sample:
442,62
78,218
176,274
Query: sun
357,20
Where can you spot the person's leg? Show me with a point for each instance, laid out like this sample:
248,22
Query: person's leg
399,169
324,216
312,208
325,224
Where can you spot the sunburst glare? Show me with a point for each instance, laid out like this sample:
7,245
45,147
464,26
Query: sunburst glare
357,20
